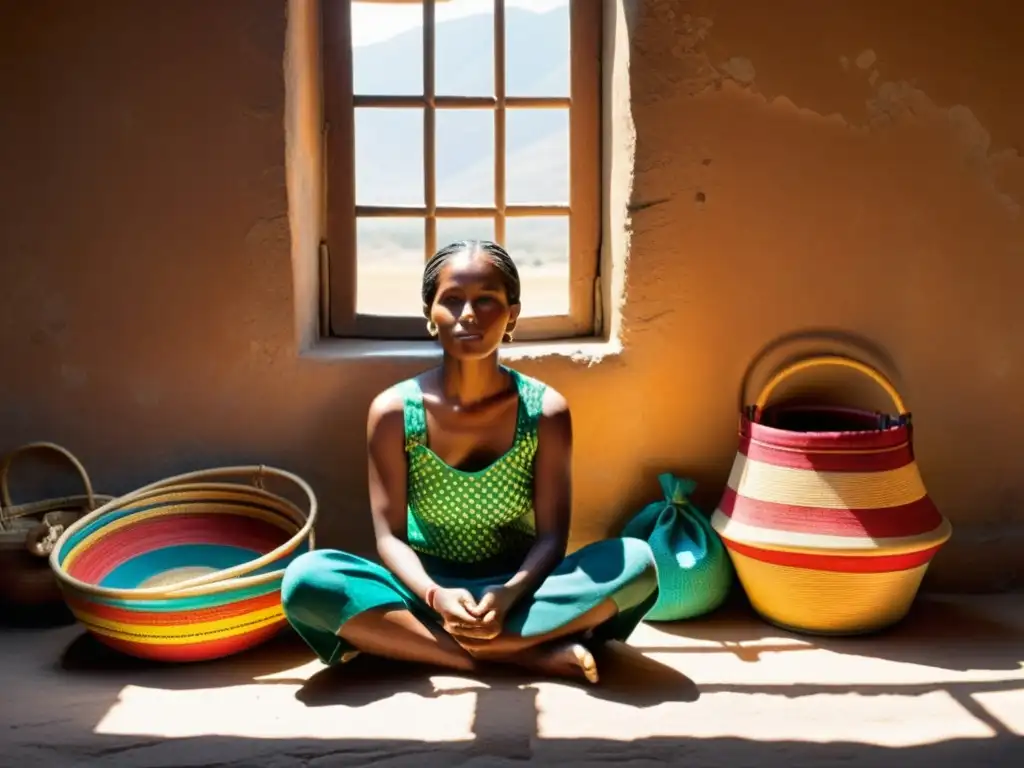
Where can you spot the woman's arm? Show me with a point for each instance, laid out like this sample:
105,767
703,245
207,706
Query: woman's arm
385,438
552,496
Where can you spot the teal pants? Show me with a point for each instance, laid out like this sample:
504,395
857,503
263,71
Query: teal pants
324,589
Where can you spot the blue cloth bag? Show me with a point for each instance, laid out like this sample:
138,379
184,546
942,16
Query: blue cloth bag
694,570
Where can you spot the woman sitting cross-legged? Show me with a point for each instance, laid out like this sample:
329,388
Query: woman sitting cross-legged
469,471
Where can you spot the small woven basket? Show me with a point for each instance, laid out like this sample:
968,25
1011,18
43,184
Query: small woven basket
187,568
29,531
825,515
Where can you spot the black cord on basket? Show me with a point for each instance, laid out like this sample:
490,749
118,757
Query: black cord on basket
888,421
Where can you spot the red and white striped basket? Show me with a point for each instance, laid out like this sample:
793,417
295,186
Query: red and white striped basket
830,530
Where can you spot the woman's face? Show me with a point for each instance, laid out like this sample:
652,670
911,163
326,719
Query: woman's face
471,309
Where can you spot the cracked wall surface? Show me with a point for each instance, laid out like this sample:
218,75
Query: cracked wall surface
843,165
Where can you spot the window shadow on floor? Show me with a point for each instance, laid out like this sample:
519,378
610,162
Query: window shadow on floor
627,677
65,677
938,632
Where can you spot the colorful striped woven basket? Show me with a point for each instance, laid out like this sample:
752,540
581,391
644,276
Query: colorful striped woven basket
825,515
185,569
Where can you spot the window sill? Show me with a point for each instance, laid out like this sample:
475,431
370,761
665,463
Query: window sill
591,350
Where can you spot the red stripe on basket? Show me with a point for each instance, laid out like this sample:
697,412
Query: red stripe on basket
199,651
823,461
837,563
95,562
180,617
911,519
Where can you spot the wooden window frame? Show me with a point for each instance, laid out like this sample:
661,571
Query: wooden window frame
585,199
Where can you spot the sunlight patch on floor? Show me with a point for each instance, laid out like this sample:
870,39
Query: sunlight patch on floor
1007,707
272,712
781,660
563,712
890,720
951,677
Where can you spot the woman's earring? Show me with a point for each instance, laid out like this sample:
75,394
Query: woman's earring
431,327
507,338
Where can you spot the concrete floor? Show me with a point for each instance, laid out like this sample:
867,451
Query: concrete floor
945,688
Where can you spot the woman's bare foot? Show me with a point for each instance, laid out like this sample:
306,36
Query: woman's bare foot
560,659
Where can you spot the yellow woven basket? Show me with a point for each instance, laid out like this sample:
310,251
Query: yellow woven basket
825,515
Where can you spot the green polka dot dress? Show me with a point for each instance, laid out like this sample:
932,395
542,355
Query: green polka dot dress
471,530
470,517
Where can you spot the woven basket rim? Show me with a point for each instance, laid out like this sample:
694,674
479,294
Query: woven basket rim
179,502
892,436
222,580
121,503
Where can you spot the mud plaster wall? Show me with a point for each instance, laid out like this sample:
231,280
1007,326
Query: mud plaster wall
845,165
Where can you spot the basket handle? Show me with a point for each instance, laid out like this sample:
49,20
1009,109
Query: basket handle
823,360
5,465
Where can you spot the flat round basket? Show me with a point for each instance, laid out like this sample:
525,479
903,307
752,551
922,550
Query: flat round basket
825,514
188,568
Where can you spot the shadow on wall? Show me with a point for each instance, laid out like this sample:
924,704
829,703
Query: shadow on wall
811,342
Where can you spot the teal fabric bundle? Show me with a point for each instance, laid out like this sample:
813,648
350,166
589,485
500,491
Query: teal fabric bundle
694,570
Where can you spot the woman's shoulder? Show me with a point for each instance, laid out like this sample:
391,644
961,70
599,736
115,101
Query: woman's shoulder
554,403
542,399
397,395
554,421
386,416
387,409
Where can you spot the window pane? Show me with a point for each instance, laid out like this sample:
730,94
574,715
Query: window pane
387,48
540,248
464,48
537,48
465,156
453,230
390,258
389,156
537,156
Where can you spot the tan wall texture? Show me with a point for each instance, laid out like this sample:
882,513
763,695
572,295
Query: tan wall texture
845,165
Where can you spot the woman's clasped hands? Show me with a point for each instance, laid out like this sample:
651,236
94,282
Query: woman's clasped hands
463,617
